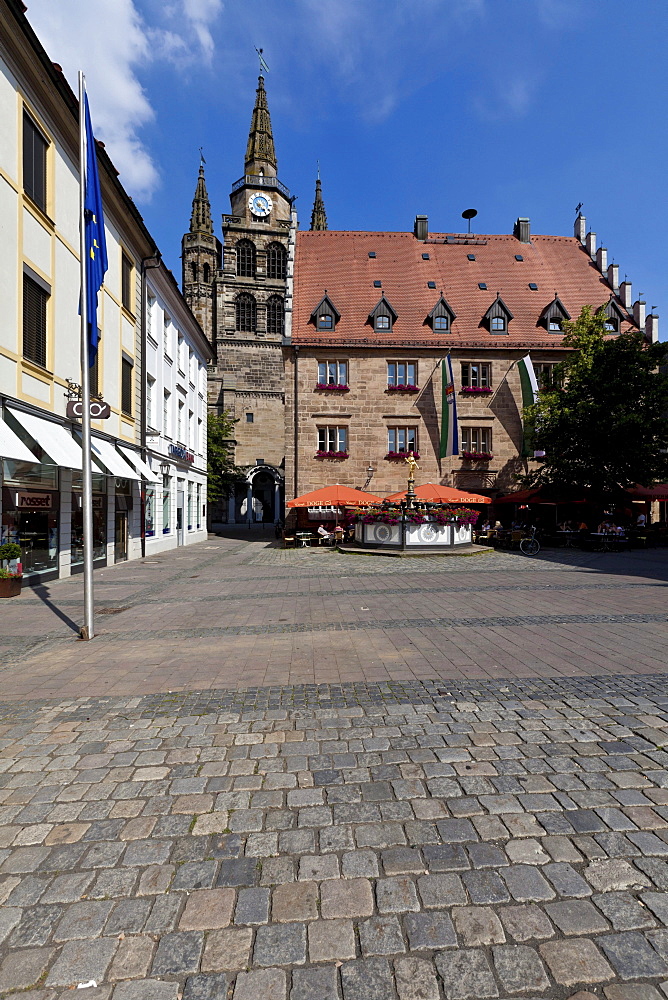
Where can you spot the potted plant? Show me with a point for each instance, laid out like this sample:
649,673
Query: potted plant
10,583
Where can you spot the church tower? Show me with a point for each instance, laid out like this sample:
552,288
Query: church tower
200,259
250,293
318,215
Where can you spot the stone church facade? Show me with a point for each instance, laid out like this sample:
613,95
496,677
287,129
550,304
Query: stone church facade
329,345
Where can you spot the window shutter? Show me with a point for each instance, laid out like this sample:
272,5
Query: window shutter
34,322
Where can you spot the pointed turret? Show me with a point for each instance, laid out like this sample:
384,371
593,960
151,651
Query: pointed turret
318,215
260,152
200,218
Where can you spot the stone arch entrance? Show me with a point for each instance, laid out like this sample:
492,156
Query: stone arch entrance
261,498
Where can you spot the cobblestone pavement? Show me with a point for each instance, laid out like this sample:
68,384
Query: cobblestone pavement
231,612
398,841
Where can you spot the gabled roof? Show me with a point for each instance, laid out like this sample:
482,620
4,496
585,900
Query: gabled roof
498,308
383,308
325,302
441,307
340,262
555,307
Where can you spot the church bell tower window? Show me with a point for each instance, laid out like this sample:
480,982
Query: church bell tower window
246,313
275,315
245,259
277,260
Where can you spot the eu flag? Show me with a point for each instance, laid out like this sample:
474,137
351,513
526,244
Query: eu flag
96,244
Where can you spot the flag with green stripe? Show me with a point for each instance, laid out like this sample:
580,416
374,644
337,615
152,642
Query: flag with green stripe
529,387
449,428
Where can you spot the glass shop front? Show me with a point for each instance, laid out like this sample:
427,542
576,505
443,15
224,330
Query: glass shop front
31,513
99,520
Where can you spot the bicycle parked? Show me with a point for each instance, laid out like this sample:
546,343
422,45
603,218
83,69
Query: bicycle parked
530,545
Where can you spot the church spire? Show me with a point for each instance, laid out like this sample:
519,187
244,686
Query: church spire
260,152
200,218
318,215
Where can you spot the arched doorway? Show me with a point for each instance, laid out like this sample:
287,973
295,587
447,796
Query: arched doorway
261,498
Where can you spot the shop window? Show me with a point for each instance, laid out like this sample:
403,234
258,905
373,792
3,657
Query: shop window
149,511
126,282
166,511
34,162
199,505
190,507
126,386
35,300
99,527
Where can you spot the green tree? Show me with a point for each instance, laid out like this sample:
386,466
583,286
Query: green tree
602,420
222,474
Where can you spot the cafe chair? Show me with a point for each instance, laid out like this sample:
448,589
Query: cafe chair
288,540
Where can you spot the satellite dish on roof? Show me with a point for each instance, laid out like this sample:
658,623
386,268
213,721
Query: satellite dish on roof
469,214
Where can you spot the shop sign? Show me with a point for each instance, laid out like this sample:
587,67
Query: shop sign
99,410
99,501
34,501
178,452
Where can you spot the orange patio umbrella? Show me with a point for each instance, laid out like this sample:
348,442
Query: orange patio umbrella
335,496
435,493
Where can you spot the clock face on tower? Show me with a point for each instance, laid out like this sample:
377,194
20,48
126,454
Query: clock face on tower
260,204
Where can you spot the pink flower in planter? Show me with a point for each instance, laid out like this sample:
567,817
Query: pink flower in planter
477,390
401,454
403,388
333,386
331,454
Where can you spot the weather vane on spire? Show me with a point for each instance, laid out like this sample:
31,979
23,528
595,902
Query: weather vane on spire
263,66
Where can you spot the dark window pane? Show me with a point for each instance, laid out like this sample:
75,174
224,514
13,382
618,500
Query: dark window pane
245,259
275,315
245,313
34,162
126,387
34,321
277,259
126,283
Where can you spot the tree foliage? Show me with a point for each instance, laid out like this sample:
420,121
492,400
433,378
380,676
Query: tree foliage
222,474
603,419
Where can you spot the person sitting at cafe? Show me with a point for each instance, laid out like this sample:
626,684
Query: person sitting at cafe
641,521
325,535
604,528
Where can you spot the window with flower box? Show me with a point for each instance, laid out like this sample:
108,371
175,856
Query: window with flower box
476,441
333,442
401,440
402,375
476,378
333,375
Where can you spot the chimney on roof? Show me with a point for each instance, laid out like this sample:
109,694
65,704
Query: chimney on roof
625,294
613,277
639,313
580,228
421,227
522,230
602,259
652,328
590,243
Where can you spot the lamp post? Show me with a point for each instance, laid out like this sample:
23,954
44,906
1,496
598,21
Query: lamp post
369,474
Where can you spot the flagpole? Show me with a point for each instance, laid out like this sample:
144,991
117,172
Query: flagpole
87,629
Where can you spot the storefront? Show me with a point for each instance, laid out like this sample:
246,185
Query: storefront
99,522
30,515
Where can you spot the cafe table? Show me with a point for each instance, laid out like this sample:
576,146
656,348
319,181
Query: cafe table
305,538
568,538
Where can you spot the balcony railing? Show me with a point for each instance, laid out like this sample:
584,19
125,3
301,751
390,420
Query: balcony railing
259,180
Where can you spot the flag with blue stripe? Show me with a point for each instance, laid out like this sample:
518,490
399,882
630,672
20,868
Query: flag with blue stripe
96,244
449,427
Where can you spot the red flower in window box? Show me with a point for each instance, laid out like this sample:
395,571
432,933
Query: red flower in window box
477,390
401,454
331,454
476,456
403,388
333,386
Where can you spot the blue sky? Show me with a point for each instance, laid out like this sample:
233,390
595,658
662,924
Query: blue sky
514,107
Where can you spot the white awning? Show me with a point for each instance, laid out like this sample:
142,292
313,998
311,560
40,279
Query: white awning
135,459
55,439
11,446
105,452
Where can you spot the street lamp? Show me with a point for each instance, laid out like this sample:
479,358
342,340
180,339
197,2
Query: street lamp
369,473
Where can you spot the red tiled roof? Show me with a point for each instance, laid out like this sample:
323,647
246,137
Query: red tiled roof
340,263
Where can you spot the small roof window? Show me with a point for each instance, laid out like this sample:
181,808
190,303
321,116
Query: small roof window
470,256
482,285
518,256
425,256
431,284
372,253
533,286
378,284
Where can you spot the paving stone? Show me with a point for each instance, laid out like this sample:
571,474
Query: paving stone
195,875
485,888
527,851
283,944
430,931
207,909
402,860
155,879
359,864
396,895
346,898
331,940
133,958
206,987
295,901
81,961
164,914
227,949
526,922
381,936
659,941
658,904
147,989
478,925
269,984
519,968
68,888
632,992
527,884
367,979
576,961
314,984
441,890
566,880
24,968
178,953
466,975
632,956
624,912
317,867
239,872
415,979
576,916
83,920
9,918
614,876
35,926
456,831
445,857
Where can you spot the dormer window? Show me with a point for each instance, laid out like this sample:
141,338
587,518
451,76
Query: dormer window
325,316
613,316
498,316
382,316
612,324
554,315
441,316
554,324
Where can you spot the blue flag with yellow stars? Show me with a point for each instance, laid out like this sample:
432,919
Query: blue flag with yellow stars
96,244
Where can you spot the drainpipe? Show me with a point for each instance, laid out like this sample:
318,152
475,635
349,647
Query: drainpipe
156,260
295,446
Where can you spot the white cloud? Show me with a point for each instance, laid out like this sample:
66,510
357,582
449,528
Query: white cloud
110,41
